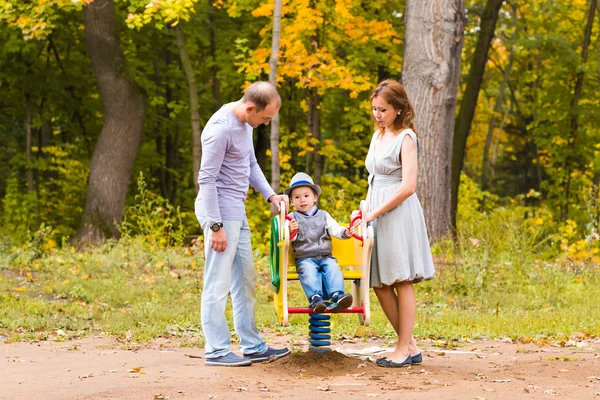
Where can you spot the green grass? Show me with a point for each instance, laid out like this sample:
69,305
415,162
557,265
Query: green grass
132,291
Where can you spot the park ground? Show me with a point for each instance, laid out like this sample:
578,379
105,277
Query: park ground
102,367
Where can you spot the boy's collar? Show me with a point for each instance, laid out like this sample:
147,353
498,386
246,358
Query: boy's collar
310,212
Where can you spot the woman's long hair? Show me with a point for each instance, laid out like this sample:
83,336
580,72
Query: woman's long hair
393,93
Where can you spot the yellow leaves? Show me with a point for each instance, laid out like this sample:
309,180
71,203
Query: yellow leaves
49,245
316,62
264,10
21,289
559,141
539,221
35,18
162,12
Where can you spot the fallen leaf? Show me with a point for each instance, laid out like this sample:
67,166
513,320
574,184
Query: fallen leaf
480,398
531,388
355,375
241,389
501,380
489,390
160,397
563,370
440,353
271,358
480,356
191,355
594,377
82,377
263,389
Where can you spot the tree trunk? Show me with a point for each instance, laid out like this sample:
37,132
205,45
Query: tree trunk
28,140
431,71
119,140
596,188
595,211
492,126
495,147
567,164
314,131
497,108
215,82
275,170
190,75
261,145
470,95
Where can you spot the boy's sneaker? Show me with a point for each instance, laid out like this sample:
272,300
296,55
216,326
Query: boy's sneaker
317,304
341,301
270,354
228,360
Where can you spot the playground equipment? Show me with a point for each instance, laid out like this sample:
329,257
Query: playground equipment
354,259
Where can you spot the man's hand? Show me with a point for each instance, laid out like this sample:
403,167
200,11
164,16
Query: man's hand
278,198
218,240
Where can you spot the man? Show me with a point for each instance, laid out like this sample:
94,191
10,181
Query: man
228,167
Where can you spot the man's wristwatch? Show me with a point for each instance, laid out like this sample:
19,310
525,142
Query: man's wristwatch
216,226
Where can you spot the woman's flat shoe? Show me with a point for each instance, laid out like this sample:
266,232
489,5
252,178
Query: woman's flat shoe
416,359
387,363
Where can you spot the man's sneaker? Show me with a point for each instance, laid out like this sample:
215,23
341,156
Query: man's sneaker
271,354
317,304
341,301
228,360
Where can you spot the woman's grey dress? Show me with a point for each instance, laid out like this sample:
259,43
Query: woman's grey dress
401,250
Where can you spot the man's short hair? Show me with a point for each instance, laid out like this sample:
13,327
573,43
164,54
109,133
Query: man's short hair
261,94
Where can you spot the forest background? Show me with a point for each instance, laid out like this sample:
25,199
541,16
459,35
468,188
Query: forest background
102,107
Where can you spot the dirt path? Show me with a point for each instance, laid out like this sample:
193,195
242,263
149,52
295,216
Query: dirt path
101,368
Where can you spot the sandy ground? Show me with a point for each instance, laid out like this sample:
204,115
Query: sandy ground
102,368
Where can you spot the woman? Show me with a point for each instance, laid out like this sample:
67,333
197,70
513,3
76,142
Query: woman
401,253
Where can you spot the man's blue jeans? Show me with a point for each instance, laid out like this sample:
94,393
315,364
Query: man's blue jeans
322,277
230,271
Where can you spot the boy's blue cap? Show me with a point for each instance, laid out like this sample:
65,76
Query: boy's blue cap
302,179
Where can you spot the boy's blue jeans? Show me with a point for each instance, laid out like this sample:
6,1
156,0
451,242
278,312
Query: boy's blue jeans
230,271
322,277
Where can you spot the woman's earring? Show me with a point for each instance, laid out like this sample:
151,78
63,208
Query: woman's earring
399,112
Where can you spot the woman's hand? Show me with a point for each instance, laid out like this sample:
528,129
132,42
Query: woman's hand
371,216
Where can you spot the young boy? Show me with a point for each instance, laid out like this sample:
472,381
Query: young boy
318,271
